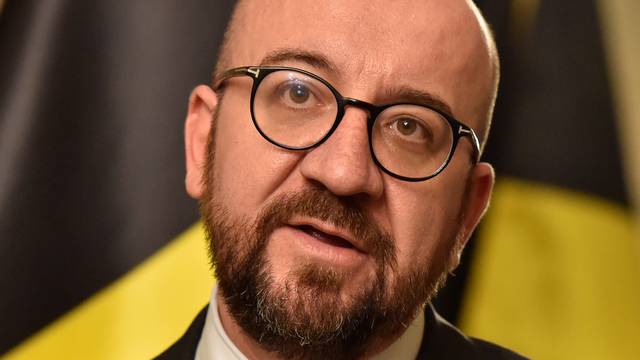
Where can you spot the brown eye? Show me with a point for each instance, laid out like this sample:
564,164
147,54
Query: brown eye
406,126
298,93
410,129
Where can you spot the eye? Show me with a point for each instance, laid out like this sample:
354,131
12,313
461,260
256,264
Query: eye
410,128
297,94
406,126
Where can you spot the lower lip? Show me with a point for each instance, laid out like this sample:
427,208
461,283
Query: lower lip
317,248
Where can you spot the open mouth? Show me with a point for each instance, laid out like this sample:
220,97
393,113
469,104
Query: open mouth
325,238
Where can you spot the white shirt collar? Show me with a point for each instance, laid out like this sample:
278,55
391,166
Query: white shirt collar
214,343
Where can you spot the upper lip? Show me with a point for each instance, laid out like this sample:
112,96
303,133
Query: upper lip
329,228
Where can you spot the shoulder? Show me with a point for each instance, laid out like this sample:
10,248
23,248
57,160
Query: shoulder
185,347
444,341
441,341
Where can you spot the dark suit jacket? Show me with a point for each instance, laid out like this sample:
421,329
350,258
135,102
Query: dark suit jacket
441,341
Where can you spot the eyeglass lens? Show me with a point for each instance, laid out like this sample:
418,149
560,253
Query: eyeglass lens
297,111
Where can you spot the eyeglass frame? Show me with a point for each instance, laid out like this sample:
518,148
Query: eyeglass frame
259,73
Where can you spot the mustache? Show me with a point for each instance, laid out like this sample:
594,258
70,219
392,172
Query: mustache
342,212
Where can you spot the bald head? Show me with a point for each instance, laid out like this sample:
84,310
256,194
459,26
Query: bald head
444,46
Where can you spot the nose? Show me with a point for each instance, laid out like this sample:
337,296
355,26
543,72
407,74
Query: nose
343,163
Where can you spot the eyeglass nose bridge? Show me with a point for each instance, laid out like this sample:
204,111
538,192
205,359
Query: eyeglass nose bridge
371,109
372,112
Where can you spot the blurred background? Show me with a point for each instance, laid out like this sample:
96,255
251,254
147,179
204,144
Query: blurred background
101,255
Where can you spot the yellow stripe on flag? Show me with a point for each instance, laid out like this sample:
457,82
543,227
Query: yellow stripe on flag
556,276
136,317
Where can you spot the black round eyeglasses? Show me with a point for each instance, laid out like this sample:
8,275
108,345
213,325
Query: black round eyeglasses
298,110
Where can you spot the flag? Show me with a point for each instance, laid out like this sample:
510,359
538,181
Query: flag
97,236
93,96
555,272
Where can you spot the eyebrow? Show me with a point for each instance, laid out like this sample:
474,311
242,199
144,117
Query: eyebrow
393,94
414,96
312,58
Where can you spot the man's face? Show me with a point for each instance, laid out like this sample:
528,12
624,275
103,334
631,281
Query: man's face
324,236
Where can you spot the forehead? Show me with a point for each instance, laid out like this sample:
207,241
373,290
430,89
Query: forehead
434,46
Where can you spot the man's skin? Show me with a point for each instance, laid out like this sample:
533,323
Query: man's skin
373,48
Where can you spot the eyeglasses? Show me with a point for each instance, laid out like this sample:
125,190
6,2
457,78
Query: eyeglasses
298,110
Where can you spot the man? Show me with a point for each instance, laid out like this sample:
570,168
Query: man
336,163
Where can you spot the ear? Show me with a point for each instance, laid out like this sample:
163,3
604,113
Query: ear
476,203
202,105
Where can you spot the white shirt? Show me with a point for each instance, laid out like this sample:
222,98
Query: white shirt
214,343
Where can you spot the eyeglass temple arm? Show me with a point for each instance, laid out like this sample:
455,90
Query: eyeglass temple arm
467,131
240,71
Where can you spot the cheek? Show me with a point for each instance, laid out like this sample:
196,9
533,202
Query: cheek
247,168
422,218
415,223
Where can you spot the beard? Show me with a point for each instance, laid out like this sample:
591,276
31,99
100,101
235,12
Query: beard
305,314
